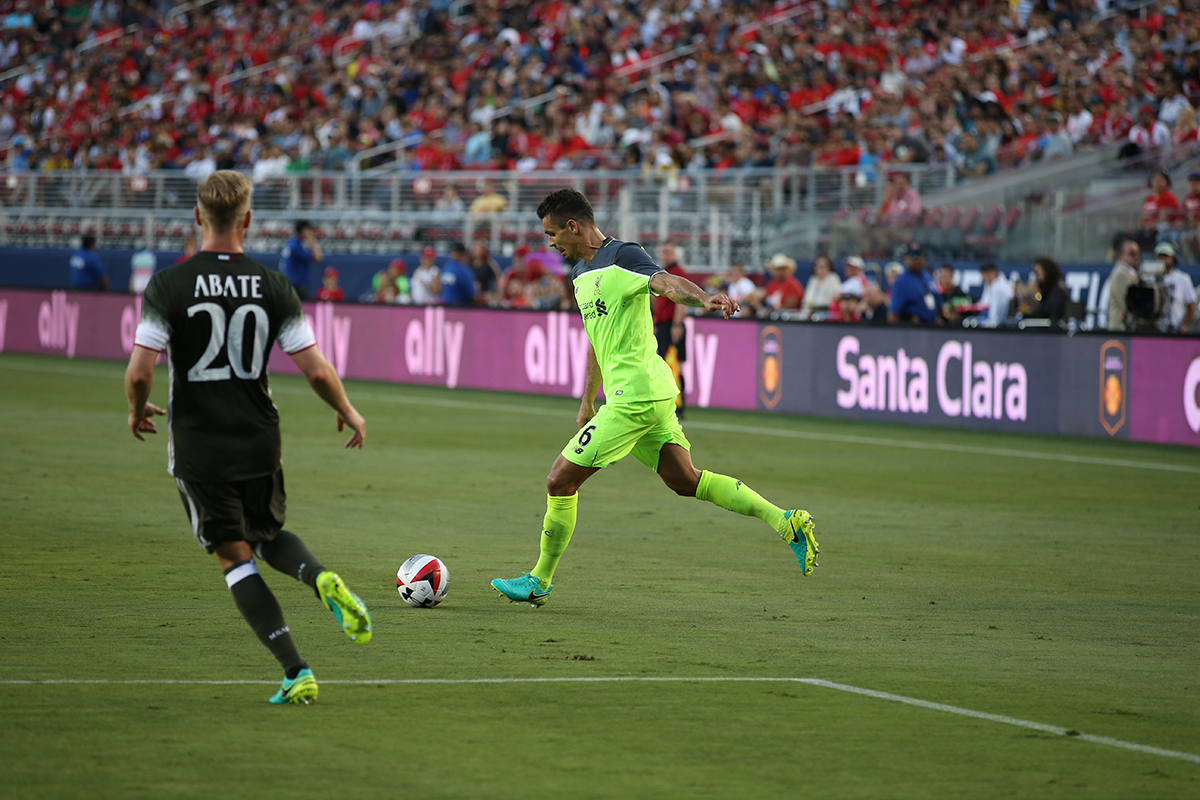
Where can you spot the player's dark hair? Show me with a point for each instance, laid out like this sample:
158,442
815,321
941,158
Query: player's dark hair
566,204
302,225
88,241
988,266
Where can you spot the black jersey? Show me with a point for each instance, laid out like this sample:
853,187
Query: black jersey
217,314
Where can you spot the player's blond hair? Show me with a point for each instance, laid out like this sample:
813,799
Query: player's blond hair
224,199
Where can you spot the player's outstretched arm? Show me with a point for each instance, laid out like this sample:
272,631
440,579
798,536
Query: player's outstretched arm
681,290
591,386
324,380
139,378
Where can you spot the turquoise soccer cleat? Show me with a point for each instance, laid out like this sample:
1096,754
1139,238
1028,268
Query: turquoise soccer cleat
797,531
525,589
300,689
345,606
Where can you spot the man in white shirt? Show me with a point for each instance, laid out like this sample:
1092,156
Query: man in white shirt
740,289
997,296
426,282
1181,294
1149,134
856,279
1079,122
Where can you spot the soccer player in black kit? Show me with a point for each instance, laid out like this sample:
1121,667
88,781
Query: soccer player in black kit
217,315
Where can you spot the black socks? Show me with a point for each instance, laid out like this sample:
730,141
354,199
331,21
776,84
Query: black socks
261,610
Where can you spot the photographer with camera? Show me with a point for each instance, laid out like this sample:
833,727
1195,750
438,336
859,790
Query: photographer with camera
1145,296
1180,300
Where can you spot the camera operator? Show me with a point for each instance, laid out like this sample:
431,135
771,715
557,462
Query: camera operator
1146,300
1181,295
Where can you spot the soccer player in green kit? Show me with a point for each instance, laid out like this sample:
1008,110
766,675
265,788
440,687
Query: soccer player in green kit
613,281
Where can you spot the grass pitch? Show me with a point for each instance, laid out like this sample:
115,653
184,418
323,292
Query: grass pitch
1043,581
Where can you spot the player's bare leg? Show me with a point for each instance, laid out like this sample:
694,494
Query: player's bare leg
676,470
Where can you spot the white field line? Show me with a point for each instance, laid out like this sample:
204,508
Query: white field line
841,687
752,430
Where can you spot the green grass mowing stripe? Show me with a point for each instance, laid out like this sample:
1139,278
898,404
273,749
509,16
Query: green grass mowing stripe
869,441
809,435
752,430
841,687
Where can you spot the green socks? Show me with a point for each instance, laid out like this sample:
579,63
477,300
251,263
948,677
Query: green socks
557,527
726,492
721,490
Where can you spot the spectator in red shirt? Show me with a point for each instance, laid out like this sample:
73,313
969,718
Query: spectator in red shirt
1186,133
1147,138
1190,207
1112,124
523,273
899,213
190,247
783,291
1161,206
330,291
668,321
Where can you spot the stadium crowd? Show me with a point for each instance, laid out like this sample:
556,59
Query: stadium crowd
1139,295
271,86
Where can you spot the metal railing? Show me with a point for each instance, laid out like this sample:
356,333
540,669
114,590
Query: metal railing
782,190
717,216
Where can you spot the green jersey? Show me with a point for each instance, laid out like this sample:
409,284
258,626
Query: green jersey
613,293
217,315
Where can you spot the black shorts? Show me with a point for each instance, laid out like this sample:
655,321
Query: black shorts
240,511
662,332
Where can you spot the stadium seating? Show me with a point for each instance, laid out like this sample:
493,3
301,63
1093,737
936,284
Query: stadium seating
306,79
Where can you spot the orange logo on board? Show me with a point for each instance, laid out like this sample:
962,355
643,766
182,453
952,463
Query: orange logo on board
1114,386
770,366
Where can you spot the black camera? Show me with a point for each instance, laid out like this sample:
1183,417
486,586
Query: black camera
1146,302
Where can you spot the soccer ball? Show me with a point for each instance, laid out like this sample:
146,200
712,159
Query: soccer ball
423,581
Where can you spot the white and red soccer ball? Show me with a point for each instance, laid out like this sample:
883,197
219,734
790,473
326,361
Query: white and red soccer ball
423,581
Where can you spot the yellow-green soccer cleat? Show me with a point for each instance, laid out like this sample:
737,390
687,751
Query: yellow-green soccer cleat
345,606
300,689
525,589
797,531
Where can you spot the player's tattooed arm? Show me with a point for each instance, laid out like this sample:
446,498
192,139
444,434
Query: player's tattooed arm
591,387
139,378
682,291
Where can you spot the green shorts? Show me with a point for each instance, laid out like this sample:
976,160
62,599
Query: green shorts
620,429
